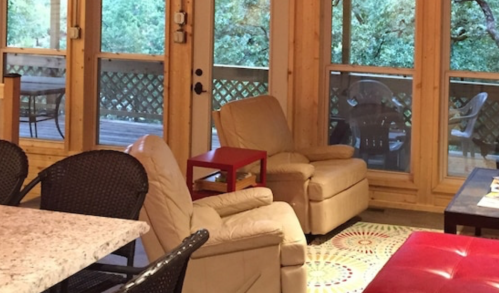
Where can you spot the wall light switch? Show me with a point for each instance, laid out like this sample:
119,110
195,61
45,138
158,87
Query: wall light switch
180,18
179,36
74,32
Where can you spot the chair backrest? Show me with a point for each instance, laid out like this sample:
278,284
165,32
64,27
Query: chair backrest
104,183
368,91
471,109
13,172
168,206
166,275
254,123
371,125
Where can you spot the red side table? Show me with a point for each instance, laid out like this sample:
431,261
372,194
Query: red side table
227,159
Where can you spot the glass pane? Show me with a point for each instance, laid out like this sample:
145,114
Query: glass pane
373,33
474,38
43,86
241,52
473,125
131,100
373,113
37,24
133,26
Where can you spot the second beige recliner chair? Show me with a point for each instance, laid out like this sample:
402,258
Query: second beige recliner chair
255,245
325,185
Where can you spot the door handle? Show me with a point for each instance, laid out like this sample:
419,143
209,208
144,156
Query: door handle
198,88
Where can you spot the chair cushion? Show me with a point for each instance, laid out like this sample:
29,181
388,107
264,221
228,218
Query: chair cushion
294,244
440,263
333,176
168,203
256,123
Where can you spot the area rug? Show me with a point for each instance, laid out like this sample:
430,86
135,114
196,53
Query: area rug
347,261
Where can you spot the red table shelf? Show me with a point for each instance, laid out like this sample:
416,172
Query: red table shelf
227,159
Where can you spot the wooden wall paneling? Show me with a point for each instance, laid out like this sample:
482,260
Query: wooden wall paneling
306,72
179,90
428,90
397,200
81,105
10,107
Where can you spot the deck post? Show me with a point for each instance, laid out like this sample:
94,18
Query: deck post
10,107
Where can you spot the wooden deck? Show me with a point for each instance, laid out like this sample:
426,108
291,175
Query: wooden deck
111,132
122,133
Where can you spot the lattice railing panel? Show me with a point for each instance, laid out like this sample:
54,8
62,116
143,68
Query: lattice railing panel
131,96
229,90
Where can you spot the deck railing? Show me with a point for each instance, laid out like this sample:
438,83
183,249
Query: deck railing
461,92
135,93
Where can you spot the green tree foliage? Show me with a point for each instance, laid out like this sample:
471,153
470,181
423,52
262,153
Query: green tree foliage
473,46
242,30
131,26
28,23
381,33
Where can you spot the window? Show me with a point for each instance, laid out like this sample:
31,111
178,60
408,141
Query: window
43,81
130,85
367,109
473,80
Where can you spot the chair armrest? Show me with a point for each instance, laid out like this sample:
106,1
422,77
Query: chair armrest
328,152
235,237
289,172
227,204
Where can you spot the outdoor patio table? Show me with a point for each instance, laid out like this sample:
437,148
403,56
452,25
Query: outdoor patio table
37,86
41,248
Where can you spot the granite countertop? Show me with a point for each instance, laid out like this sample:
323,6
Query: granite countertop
41,248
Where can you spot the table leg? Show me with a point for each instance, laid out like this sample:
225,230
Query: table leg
189,175
56,118
450,228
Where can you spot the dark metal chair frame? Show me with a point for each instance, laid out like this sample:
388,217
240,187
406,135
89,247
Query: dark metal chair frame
104,183
371,126
13,172
166,275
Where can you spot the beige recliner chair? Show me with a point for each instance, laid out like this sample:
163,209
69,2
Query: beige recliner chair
324,184
255,245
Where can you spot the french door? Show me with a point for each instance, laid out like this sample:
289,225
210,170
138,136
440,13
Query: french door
240,51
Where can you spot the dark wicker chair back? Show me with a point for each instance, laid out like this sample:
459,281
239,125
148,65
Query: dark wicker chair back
104,183
166,275
13,171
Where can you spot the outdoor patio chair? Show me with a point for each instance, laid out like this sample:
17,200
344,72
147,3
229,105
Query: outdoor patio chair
167,274
468,115
368,91
102,183
379,134
13,172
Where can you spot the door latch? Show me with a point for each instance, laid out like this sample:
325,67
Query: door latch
198,88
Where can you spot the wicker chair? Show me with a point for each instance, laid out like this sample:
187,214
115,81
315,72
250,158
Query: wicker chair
102,183
14,170
166,275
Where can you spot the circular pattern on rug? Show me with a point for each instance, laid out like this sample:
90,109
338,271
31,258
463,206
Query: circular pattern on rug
375,239
347,261
335,273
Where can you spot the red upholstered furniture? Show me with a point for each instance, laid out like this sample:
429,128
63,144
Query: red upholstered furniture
430,262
